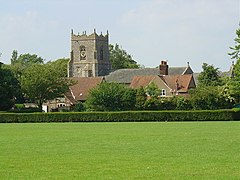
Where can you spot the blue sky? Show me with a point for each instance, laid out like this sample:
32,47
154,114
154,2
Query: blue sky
179,31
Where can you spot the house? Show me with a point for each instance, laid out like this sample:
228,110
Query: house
170,85
171,81
125,76
80,90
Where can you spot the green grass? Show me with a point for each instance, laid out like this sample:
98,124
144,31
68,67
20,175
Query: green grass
190,150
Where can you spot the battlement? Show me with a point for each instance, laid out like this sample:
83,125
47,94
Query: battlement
84,36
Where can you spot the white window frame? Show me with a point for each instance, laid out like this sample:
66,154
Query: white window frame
163,92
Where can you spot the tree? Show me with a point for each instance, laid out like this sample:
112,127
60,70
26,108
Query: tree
152,90
235,54
181,103
9,88
14,57
21,63
232,86
209,76
79,107
29,59
120,59
209,97
111,97
234,83
62,65
141,98
42,82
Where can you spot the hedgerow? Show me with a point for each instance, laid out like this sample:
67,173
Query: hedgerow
123,116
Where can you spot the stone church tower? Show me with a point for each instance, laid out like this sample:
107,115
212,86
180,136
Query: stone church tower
89,55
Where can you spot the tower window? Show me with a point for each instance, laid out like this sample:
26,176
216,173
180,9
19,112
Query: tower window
101,53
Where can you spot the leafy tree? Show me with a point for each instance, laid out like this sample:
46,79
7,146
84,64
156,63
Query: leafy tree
235,54
152,90
111,97
141,98
42,82
62,65
234,83
209,97
29,59
21,63
120,59
181,103
232,86
79,107
209,76
14,57
9,88
152,103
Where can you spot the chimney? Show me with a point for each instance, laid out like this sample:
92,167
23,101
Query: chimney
163,68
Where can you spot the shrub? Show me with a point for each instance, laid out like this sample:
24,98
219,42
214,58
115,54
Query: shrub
79,107
111,97
124,116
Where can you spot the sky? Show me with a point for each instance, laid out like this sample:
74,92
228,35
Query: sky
179,31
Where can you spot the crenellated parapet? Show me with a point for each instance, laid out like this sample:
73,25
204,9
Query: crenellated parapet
84,36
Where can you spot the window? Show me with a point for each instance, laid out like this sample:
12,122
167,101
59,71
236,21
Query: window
163,92
90,73
101,53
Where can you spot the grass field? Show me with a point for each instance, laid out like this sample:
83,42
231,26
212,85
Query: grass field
190,150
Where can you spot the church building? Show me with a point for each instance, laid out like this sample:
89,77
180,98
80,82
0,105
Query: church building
89,55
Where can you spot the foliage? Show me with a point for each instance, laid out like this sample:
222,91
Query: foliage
152,90
42,82
234,83
9,88
79,107
141,98
152,104
120,59
111,97
124,116
209,97
14,57
235,54
21,63
27,59
181,103
209,76
62,65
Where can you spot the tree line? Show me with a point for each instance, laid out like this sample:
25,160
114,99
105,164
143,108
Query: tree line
29,79
214,91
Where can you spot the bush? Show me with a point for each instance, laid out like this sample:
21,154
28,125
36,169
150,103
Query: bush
79,107
111,97
124,116
25,110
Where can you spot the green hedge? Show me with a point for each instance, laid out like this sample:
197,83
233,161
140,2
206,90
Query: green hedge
125,116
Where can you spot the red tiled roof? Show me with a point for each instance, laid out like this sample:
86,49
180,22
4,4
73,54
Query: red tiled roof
80,90
178,83
141,81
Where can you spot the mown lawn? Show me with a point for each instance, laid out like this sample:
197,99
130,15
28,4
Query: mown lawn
182,150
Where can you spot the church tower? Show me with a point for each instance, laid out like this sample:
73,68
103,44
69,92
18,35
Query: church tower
89,55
